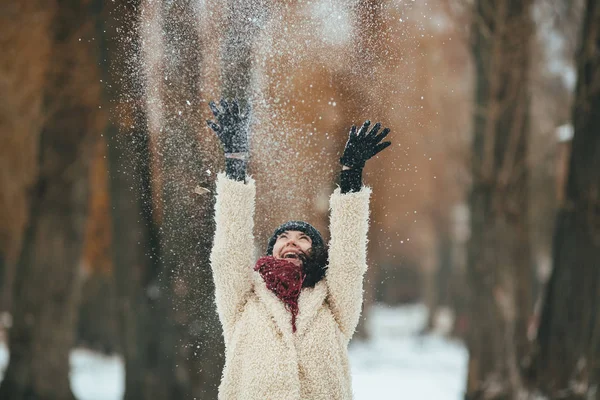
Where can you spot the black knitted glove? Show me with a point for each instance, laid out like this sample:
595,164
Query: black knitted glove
236,169
359,148
362,145
351,180
232,130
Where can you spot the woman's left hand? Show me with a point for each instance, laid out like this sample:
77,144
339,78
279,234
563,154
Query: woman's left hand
362,146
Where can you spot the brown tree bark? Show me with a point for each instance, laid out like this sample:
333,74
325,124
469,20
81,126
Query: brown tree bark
48,280
237,55
150,331
187,225
144,312
442,273
97,317
567,365
499,268
24,68
368,46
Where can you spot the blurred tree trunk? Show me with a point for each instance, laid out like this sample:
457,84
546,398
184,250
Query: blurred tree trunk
144,310
187,225
147,325
48,280
4,286
499,268
236,63
567,365
445,269
439,294
367,49
97,319
23,67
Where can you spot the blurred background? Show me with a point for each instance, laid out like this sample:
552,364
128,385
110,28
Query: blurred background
484,244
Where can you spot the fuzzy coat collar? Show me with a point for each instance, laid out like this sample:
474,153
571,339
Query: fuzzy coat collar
309,302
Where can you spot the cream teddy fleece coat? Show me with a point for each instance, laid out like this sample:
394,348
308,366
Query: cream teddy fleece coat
264,360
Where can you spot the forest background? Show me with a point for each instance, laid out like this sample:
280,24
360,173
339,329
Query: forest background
486,208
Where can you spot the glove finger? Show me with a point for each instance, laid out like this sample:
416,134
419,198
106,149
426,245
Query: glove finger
380,147
352,132
374,130
214,127
246,109
224,105
235,108
215,110
382,135
363,129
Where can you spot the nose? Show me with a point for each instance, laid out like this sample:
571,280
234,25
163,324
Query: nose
290,242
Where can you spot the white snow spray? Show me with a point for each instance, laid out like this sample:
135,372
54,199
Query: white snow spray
310,70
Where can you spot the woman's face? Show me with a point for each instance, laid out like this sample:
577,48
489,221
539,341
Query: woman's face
291,245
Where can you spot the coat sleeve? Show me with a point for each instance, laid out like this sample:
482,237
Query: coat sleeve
349,223
232,253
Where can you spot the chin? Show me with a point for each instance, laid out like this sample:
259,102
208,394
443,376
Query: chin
296,262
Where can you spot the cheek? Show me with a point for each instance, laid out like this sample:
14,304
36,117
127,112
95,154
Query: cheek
277,246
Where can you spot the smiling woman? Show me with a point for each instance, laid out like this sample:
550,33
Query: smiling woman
292,245
287,321
301,244
298,237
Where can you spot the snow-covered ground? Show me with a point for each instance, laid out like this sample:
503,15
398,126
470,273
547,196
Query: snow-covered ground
93,376
396,363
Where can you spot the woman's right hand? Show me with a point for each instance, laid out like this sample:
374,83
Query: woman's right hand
232,127
232,130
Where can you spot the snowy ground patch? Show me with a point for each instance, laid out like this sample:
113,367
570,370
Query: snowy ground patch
97,377
93,376
396,363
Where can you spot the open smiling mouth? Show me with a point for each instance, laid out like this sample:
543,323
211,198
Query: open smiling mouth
292,255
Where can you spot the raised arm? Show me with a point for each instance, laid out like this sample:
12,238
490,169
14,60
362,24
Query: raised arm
233,248
349,224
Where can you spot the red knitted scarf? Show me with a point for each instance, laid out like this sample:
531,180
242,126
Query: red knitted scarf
283,278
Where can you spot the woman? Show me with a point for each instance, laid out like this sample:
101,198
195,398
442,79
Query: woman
287,319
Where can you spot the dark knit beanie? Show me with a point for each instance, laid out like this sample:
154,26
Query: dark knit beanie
315,266
301,226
